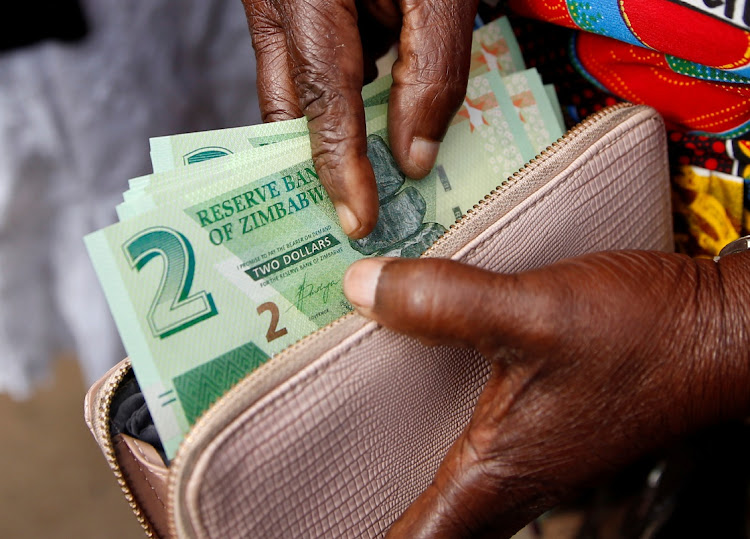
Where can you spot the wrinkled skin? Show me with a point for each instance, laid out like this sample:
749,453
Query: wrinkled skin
311,62
596,360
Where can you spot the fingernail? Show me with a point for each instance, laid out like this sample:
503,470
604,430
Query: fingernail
349,221
423,153
361,282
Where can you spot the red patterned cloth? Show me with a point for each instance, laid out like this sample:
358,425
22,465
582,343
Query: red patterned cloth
690,62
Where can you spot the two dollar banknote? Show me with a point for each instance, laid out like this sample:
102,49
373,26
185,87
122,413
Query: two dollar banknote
231,251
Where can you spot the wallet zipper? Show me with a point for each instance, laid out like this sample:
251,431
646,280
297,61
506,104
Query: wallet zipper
224,403
534,163
103,412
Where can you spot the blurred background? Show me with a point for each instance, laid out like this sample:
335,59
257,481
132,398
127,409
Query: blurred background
83,85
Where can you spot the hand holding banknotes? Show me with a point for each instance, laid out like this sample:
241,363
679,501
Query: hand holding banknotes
596,361
311,62
229,254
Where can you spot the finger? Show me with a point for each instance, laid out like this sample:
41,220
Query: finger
447,302
508,318
276,92
429,79
326,52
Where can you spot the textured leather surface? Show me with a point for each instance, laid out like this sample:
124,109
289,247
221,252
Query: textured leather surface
343,446
143,473
147,477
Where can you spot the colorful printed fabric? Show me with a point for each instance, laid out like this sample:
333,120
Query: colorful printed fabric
691,64
689,61
645,76
709,206
696,38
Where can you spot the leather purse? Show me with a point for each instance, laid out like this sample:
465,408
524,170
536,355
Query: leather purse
339,433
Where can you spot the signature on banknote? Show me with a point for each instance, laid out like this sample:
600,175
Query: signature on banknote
307,291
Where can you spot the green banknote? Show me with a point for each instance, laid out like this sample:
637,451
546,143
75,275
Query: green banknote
210,285
174,151
555,104
146,189
190,148
534,108
527,93
377,92
494,47
208,168
188,181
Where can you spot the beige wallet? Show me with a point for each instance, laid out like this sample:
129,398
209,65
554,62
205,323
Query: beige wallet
339,433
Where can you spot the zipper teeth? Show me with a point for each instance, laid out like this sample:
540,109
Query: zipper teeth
218,407
109,451
226,398
535,162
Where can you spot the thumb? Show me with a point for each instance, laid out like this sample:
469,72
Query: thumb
446,302
481,488
443,301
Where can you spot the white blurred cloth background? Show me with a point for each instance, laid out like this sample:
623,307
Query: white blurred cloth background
74,126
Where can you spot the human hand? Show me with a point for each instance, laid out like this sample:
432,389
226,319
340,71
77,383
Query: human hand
311,61
596,360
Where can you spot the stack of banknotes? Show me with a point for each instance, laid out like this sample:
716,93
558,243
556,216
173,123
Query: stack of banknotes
231,250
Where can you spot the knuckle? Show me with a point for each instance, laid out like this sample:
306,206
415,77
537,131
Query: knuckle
276,114
328,160
332,154
276,102
329,120
432,82
266,32
261,13
266,37
436,59
316,89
